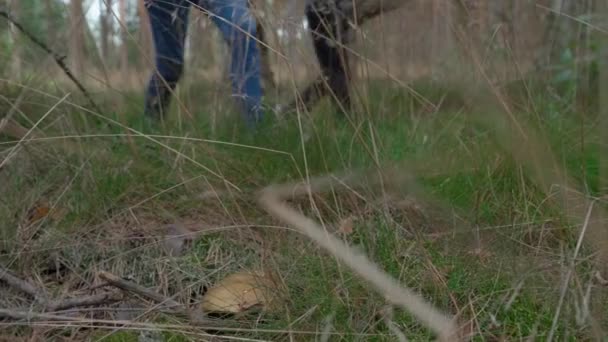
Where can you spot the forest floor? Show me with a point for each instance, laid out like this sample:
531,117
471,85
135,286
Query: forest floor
473,229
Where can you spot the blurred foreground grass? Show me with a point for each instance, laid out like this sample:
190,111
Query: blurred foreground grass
476,236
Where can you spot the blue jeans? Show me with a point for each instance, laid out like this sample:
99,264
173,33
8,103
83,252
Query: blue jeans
169,22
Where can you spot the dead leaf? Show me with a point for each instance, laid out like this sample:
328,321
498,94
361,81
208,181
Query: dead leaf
43,209
12,129
37,213
240,291
347,226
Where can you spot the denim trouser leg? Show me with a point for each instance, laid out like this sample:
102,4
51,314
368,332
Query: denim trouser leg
169,20
238,27
169,23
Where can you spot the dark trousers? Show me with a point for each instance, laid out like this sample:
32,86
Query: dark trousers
169,23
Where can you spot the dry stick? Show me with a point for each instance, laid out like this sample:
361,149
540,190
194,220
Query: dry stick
93,300
64,304
58,58
138,289
272,199
195,317
22,285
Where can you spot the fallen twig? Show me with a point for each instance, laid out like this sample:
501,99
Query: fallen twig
129,286
40,295
195,316
58,58
22,285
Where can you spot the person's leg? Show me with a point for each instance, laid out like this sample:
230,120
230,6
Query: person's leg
328,32
238,26
168,20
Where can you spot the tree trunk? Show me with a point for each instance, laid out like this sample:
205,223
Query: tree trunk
145,35
124,47
266,72
600,295
476,19
50,22
602,11
105,20
441,26
76,50
16,57
200,39
219,53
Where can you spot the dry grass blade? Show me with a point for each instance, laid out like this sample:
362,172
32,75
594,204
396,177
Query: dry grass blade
569,273
272,199
528,148
41,297
34,316
93,300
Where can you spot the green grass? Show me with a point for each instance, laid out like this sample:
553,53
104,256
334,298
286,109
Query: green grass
111,188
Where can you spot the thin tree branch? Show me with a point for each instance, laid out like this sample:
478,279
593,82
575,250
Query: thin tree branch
40,295
195,316
129,286
59,59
